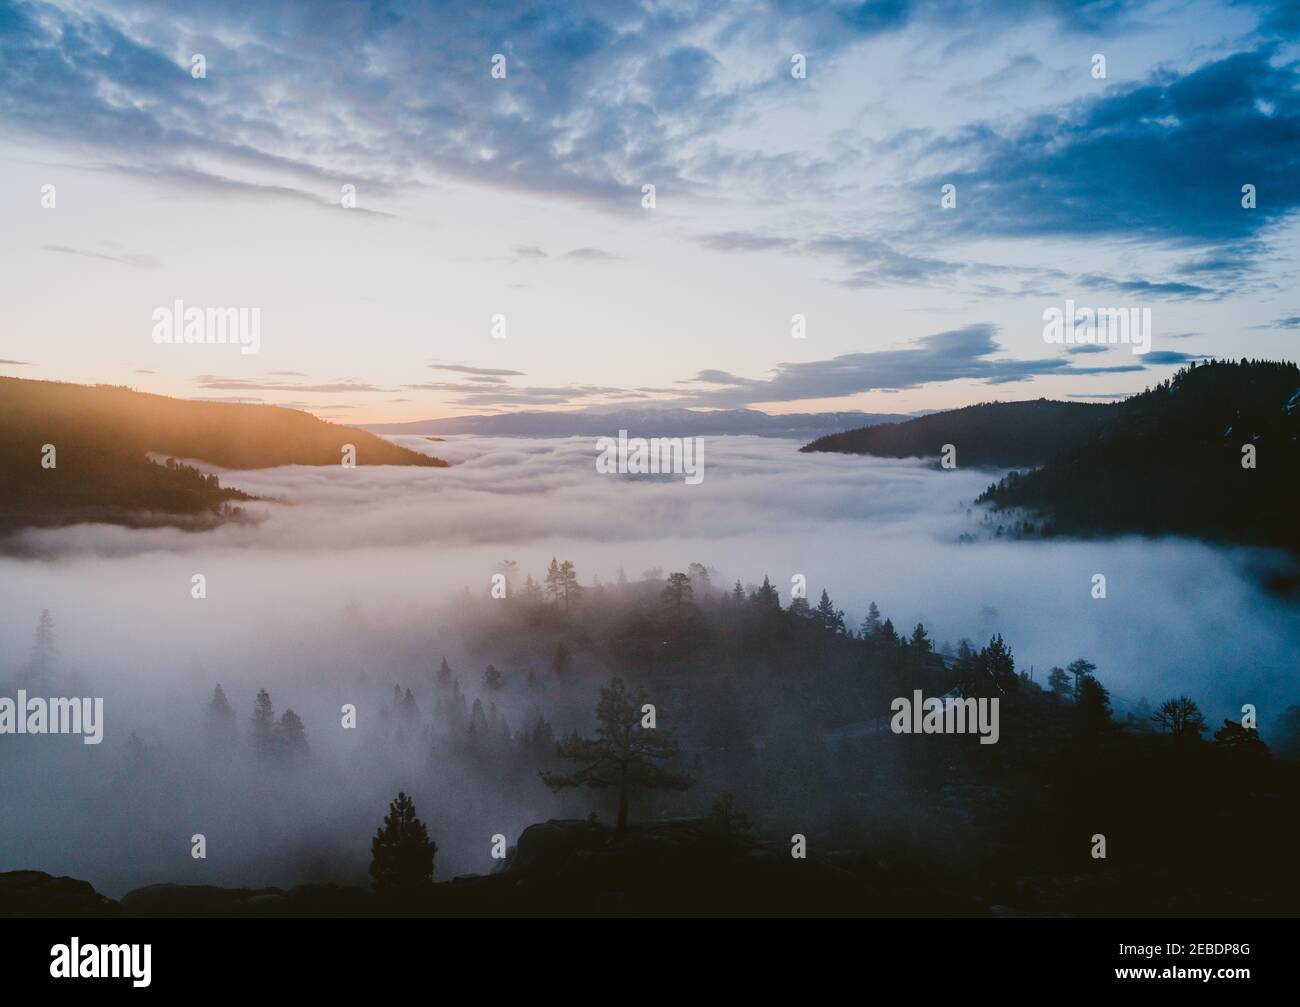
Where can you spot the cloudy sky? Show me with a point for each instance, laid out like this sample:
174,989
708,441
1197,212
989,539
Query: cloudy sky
521,196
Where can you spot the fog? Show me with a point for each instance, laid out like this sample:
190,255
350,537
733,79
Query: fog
347,582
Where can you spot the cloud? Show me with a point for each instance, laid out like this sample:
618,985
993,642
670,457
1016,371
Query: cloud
138,261
485,371
253,385
965,354
594,255
1161,160
16,363
1285,322
745,241
478,395
597,97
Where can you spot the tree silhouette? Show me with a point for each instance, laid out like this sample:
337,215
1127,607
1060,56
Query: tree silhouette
1092,704
766,596
263,724
554,581
1059,682
623,755
677,593
1080,669
221,718
289,738
37,671
569,586
1243,742
921,643
827,615
401,854
871,623
1180,717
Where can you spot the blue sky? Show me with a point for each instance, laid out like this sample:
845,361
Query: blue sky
522,196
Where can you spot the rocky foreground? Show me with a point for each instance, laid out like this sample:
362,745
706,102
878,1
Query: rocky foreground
558,868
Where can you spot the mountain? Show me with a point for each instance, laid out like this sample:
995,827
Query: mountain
100,438
1173,460
1167,461
648,422
999,434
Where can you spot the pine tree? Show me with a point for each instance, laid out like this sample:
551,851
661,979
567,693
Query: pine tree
677,593
1000,665
1059,682
478,720
221,718
263,724
569,586
1081,669
871,624
1092,704
409,708
623,755
1241,742
36,673
554,582
827,615
766,596
289,739
401,854
492,677
920,642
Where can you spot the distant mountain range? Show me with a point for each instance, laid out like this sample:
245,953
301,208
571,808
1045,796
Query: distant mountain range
648,422
73,453
1213,453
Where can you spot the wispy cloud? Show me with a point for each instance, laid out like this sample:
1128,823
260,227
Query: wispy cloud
138,261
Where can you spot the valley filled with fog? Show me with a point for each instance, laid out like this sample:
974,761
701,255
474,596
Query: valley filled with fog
350,581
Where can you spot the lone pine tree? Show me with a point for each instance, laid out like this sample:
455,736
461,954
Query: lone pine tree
401,854
623,754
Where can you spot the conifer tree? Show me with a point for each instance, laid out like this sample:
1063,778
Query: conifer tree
263,724
221,718
623,755
401,854
290,739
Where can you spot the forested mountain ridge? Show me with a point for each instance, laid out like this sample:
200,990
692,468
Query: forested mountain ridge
992,433
1213,452
73,453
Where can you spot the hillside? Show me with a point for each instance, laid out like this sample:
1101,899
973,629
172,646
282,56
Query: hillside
1166,461
998,434
102,436
1173,462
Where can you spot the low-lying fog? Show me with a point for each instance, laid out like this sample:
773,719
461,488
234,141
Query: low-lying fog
331,598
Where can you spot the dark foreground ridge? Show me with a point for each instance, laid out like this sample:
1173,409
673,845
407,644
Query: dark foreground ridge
563,867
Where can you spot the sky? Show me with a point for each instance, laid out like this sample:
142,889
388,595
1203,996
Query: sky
521,195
